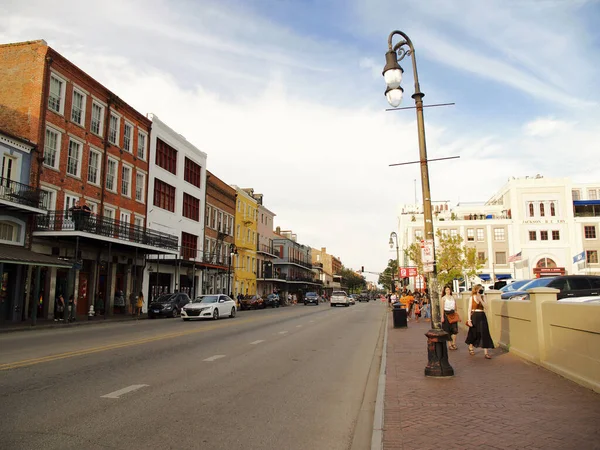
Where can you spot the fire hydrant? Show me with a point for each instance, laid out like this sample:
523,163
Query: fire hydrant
91,312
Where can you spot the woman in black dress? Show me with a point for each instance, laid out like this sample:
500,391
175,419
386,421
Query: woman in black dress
479,332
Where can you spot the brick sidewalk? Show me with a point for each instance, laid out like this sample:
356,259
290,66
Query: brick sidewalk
502,403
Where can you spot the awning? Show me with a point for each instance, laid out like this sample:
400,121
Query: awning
503,276
585,202
484,276
10,254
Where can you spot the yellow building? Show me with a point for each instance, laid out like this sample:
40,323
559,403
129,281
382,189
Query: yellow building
246,238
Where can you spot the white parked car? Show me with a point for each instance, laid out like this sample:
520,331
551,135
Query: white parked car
339,298
209,307
587,299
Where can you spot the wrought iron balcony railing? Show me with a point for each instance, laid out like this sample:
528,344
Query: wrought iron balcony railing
20,193
288,260
104,226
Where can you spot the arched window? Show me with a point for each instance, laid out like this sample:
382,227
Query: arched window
531,212
12,230
542,210
552,209
546,263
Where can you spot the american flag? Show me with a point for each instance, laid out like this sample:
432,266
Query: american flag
514,258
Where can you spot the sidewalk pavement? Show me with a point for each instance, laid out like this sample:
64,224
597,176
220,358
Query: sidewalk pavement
502,403
45,324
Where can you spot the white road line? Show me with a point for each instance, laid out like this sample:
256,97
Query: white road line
298,326
282,332
124,391
256,342
214,358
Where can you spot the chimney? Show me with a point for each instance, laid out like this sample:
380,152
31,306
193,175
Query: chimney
278,230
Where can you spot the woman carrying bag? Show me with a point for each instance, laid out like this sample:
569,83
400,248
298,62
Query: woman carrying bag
479,332
450,317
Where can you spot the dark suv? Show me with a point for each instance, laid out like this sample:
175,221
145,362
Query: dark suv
569,286
167,305
311,297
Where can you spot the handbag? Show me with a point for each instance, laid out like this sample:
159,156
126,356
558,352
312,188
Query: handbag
453,317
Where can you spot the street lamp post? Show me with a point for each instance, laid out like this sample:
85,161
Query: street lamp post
394,236
438,365
231,255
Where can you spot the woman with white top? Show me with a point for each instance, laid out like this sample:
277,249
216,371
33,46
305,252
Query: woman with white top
448,306
479,332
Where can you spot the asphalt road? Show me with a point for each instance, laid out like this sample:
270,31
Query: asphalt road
288,378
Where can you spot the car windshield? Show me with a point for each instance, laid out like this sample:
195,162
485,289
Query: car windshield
311,294
514,286
164,298
338,293
538,282
207,299
272,296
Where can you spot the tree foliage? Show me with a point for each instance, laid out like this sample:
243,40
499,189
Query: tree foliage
455,260
413,253
353,281
385,278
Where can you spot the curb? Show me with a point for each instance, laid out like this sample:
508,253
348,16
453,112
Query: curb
377,439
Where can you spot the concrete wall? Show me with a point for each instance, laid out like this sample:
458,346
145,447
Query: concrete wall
562,337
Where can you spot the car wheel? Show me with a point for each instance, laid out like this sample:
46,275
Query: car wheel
332,305
185,319
232,315
150,316
305,304
347,304
216,314
175,313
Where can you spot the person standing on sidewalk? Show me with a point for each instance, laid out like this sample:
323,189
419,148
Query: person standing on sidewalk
139,304
479,332
448,309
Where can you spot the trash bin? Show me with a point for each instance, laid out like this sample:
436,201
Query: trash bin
399,316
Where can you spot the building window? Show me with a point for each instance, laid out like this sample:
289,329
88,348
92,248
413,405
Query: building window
592,194
191,207
555,235
498,234
74,158
207,216
78,108
238,231
542,210
470,234
140,184
138,222
127,133
481,256
591,256
189,245
444,233
141,147
109,213
56,96
166,156
111,174
576,194
10,232
49,200
552,209
543,235
164,195
192,172
480,235
500,258
453,233
52,148
531,211
126,181
97,119
533,235
113,131
418,234
589,231
94,167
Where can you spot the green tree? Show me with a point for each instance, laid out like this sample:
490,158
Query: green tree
385,278
413,253
455,260
353,281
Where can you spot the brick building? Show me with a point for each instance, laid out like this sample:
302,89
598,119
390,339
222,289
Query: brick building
91,148
218,236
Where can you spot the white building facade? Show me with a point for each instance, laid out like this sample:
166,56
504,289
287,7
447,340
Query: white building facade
176,202
543,222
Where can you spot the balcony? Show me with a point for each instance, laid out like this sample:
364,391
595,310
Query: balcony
295,261
266,250
64,223
22,196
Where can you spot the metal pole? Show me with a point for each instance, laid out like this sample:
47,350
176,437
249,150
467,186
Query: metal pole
36,295
108,280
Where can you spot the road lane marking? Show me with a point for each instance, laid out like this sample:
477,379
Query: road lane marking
256,342
214,358
117,394
282,332
311,321
88,351
298,326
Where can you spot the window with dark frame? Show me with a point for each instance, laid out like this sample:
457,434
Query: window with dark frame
192,172
531,212
542,210
164,195
552,209
590,231
591,256
166,156
556,235
481,256
533,235
543,235
189,245
191,207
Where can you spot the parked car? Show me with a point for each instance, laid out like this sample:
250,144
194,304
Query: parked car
587,299
514,286
272,300
167,305
339,298
352,298
569,286
364,297
254,302
311,297
209,307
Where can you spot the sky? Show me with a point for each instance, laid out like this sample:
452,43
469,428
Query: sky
287,96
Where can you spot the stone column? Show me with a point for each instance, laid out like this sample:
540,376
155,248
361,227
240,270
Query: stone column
537,296
492,298
111,292
51,291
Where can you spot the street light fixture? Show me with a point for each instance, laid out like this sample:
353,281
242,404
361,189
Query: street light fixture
231,255
438,364
394,236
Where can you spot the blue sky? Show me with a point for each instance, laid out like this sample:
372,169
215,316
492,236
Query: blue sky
287,96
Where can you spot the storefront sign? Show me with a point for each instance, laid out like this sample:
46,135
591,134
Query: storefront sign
543,221
408,272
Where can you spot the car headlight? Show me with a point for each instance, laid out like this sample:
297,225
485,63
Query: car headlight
168,307
520,297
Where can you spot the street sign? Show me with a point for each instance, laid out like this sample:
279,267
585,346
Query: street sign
428,268
408,272
420,282
427,252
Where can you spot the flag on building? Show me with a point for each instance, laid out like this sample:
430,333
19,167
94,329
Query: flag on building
514,258
579,257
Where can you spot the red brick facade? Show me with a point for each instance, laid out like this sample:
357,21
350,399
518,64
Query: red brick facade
221,196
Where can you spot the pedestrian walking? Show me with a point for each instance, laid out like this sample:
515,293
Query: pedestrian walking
479,332
410,299
139,304
59,313
449,316
72,313
426,306
417,308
